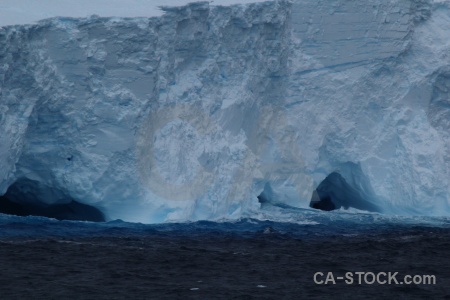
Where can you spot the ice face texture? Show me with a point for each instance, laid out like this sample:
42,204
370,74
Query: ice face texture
195,114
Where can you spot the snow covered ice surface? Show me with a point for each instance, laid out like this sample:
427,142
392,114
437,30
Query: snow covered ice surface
195,113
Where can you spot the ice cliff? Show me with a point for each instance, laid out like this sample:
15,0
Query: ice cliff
197,113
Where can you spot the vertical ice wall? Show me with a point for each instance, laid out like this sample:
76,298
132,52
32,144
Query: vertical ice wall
194,114
362,86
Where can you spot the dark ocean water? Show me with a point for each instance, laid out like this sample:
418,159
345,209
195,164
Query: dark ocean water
249,258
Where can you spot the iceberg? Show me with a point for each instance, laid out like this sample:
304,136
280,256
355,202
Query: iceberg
202,112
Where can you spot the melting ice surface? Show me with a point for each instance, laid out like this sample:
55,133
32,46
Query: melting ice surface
195,114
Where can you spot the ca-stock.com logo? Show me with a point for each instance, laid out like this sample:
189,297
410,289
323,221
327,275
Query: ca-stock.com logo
183,153
369,278
169,146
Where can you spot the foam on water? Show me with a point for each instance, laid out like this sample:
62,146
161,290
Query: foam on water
293,222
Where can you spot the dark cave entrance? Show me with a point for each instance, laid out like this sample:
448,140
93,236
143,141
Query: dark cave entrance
335,192
266,195
24,198
324,203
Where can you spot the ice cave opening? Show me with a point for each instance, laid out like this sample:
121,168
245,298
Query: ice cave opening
335,192
29,198
265,195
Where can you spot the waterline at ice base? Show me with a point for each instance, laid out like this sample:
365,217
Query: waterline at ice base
264,110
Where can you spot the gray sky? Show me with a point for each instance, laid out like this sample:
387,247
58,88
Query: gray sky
29,11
